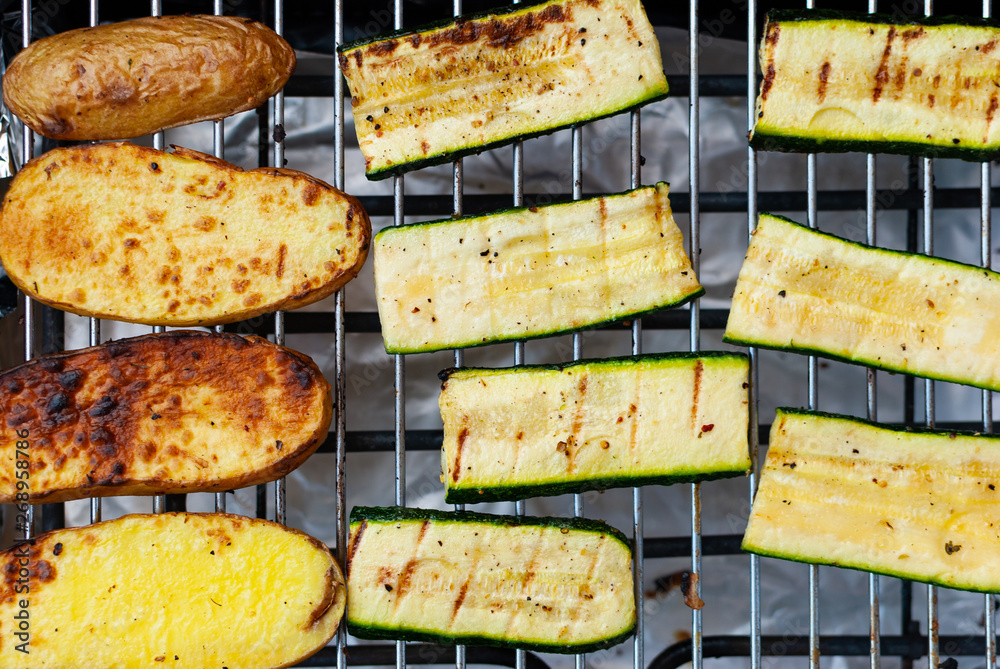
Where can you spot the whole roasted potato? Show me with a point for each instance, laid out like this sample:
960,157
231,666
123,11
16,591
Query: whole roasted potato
178,590
181,411
132,78
134,234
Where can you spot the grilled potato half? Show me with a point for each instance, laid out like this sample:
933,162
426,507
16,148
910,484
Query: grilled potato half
134,234
132,78
174,412
171,590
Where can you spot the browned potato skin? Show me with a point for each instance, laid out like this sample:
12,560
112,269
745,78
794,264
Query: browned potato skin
182,411
130,233
132,78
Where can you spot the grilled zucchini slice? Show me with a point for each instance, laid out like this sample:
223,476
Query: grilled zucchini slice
175,412
529,272
181,590
920,505
436,93
836,81
552,429
549,584
807,291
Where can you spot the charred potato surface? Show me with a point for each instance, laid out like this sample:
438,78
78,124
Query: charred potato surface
175,412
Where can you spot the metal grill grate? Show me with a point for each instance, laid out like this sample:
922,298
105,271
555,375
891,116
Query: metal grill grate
756,645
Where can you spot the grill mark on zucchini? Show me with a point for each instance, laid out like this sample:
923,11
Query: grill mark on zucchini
699,369
578,416
382,48
768,80
989,115
882,75
633,410
773,32
354,544
403,582
824,74
900,79
595,558
462,436
526,580
462,592
500,33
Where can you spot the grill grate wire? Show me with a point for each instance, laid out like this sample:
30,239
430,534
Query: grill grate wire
219,151
27,153
340,436
694,329
94,323
754,419
986,231
156,9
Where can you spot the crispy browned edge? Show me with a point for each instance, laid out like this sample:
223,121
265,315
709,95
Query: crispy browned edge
361,222
287,464
254,100
336,589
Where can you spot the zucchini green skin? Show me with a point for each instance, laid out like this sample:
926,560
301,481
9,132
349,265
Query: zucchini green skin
895,95
406,634
540,430
448,527
390,514
847,492
432,94
530,271
457,154
811,292
514,492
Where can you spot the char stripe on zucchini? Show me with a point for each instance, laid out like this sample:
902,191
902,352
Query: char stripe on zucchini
547,430
917,504
433,94
807,291
550,584
529,272
837,81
